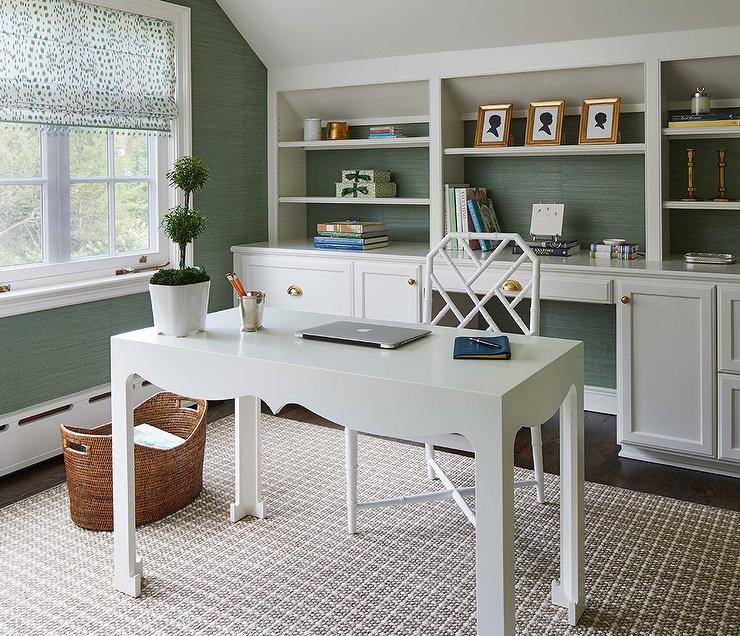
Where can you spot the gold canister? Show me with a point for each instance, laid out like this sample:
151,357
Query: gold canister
337,130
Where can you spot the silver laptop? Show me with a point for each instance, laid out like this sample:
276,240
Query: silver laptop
360,333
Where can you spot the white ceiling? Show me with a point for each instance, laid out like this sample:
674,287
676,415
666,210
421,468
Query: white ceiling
298,32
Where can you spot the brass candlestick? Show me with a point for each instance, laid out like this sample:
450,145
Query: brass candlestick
690,189
722,195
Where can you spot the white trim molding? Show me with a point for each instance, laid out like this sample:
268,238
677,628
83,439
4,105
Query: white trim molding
31,435
24,301
600,400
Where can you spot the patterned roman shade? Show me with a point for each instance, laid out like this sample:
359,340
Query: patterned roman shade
66,63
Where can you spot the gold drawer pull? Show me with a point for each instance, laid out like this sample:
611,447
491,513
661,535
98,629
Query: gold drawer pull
511,285
411,281
625,300
294,290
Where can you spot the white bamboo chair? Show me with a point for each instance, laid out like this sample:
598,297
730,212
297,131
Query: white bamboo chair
502,286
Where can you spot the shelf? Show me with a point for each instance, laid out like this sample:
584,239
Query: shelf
356,201
353,144
701,205
578,264
703,132
549,151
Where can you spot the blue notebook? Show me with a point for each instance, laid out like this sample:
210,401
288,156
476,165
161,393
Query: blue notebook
466,349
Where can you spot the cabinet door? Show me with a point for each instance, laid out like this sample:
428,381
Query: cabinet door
388,291
728,409
665,362
728,339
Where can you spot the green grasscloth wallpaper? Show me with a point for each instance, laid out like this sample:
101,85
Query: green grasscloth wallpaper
53,353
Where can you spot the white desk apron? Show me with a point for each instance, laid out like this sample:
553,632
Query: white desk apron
422,390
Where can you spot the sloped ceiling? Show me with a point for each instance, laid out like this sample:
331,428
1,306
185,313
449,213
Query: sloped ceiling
298,32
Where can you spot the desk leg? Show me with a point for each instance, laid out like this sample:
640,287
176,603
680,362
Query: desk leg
127,565
494,549
569,591
247,459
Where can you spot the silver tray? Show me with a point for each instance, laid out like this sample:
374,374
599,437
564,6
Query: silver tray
709,258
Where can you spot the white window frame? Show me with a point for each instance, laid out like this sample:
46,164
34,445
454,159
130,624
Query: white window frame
39,286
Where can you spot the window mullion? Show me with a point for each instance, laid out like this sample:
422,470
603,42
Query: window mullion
56,199
111,195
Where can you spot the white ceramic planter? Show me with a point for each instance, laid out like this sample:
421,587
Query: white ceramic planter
180,310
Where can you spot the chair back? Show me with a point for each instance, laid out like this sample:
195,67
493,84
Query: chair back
481,261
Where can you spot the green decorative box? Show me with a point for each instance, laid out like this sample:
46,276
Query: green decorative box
366,176
350,189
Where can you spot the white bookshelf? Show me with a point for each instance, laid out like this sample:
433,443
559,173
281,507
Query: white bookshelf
355,144
447,100
358,200
701,205
549,151
703,132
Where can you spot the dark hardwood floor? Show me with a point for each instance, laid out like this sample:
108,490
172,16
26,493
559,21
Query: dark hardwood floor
603,465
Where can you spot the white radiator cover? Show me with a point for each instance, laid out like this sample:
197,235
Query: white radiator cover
24,442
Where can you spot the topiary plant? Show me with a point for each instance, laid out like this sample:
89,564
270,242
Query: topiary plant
186,276
183,224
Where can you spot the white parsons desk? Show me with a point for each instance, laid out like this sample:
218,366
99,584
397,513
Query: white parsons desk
423,392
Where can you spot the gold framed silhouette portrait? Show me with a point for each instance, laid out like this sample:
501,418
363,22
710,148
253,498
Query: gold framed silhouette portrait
545,123
600,121
493,125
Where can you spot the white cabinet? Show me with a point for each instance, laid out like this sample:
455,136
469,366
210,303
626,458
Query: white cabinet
304,284
666,369
728,339
388,291
728,410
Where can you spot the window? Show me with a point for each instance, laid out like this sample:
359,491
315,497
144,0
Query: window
92,124
80,194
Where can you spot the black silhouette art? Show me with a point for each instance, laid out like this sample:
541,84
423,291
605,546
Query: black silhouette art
494,121
546,120
600,120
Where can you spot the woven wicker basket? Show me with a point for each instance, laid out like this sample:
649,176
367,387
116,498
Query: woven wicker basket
166,480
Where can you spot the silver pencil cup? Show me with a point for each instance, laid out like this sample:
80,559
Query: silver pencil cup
251,308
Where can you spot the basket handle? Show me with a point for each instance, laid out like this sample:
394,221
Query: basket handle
75,447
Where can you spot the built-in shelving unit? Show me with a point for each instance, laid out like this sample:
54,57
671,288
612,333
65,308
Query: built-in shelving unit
356,201
355,144
701,205
549,151
629,189
703,132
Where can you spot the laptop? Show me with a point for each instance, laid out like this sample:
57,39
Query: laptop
359,333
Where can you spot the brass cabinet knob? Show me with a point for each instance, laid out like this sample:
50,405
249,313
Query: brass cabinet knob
294,290
411,281
511,285
625,300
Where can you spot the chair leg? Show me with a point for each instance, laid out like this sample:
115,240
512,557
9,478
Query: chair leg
429,453
350,458
539,473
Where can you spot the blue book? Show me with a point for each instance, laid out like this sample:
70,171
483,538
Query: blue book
337,240
477,220
467,349
345,246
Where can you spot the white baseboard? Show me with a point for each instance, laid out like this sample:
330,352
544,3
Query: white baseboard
29,436
600,400
668,459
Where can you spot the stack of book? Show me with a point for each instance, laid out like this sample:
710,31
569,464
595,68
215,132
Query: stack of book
560,247
358,236
384,132
704,120
622,252
469,210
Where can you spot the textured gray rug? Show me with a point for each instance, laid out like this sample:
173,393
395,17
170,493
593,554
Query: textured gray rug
654,565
